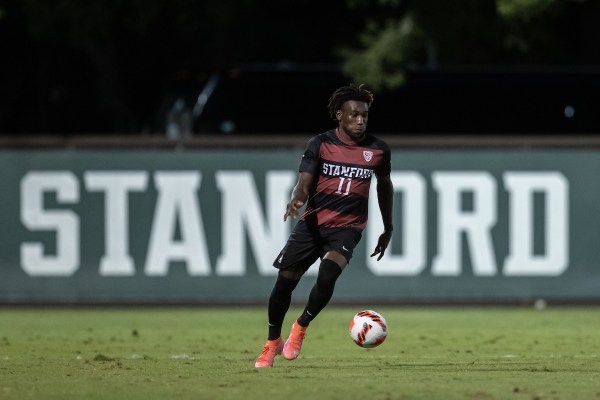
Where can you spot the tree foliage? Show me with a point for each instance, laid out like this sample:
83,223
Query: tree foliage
431,33
112,65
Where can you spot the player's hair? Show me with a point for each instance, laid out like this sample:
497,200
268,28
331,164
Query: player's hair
347,93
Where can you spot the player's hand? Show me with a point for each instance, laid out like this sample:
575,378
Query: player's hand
382,244
292,209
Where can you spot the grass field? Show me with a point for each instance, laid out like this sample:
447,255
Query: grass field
430,353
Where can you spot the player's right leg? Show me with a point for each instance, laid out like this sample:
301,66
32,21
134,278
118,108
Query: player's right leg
293,261
270,349
279,303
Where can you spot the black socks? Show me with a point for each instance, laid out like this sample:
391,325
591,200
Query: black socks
321,292
279,303
281,297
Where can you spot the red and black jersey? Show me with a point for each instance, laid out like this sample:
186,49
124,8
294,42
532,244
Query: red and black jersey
343,171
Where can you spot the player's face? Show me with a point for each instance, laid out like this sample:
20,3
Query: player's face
353,118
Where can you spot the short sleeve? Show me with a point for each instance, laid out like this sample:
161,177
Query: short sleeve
385,168
310,158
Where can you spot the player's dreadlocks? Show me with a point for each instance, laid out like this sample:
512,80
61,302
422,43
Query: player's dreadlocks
346,93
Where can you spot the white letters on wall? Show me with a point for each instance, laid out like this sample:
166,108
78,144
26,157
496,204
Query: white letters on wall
242,213
116,185
177,203
65,223
413,259
454,222
521,260
252,229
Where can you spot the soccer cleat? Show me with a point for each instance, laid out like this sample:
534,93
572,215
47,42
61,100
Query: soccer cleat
269,351
292,346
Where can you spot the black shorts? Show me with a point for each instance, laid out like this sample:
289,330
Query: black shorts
305,245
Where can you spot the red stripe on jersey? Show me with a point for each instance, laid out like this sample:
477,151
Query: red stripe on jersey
331,219
355,155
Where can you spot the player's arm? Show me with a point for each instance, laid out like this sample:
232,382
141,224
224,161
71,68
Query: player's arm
385,198
299,194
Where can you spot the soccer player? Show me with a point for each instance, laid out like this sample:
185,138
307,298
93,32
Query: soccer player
334,181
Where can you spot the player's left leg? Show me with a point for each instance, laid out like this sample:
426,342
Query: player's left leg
339,244
329,271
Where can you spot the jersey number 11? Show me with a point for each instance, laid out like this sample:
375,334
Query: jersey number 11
340,186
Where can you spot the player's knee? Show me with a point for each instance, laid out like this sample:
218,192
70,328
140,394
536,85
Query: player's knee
329,272
290,274
337,257
283,286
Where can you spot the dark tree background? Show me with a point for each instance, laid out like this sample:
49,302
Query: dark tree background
117,66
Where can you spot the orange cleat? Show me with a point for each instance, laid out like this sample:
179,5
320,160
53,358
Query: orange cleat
269,351
292,346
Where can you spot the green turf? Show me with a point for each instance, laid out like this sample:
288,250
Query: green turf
454,353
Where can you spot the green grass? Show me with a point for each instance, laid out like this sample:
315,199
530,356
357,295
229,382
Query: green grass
430,353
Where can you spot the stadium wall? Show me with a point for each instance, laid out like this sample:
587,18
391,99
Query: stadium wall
498,223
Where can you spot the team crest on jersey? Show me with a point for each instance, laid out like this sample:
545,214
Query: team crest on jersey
367,155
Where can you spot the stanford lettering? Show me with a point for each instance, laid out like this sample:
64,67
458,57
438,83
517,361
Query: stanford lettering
344,170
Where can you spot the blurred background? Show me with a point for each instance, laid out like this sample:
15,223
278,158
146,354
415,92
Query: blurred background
159,67
490,107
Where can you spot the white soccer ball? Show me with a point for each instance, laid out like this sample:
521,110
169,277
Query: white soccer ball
368,329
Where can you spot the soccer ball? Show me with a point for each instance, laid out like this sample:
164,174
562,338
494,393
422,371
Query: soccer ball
368,329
